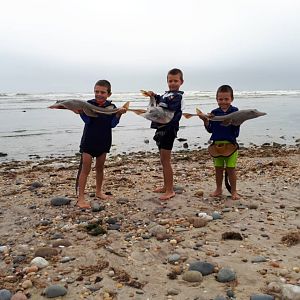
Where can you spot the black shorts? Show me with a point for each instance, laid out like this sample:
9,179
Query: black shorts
93,153
164,137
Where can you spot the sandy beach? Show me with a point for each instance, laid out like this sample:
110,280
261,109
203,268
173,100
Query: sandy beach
134,246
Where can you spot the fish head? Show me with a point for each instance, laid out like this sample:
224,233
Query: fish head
57,105
256,113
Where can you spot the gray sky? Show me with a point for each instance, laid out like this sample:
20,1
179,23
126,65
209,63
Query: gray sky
67,45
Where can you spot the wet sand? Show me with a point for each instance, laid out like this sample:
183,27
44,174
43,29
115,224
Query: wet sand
146,245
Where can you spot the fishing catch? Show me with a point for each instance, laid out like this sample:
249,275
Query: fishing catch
89,109
154,113
236,118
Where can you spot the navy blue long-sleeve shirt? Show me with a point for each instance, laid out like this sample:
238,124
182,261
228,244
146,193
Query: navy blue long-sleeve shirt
221,132
97,133
172,101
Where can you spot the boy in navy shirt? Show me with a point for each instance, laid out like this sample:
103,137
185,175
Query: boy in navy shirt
166,133
224,135
96,141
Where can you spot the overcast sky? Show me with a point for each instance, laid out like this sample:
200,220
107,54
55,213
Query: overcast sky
67,45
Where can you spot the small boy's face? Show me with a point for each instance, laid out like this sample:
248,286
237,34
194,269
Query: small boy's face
101,94
224,100
174,82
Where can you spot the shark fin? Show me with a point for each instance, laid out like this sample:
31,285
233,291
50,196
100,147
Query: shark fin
126,105
90,113
187,115
227,122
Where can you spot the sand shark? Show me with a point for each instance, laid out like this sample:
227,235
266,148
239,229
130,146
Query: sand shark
154,113
89,109
236,118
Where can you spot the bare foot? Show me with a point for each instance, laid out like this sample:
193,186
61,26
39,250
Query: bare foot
82,204
167,196
216,193
102,196
235,196
160,190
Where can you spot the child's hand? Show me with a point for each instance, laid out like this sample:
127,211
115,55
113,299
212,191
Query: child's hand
77,111
122,110
148,93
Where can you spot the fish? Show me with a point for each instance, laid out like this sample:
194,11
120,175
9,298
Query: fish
153,112
198,113
238,117
88,108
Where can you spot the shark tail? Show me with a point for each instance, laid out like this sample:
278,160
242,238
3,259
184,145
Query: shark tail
188,115
78,174
227,184
126,105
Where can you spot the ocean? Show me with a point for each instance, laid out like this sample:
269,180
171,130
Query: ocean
30,130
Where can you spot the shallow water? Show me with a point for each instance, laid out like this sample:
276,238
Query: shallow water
29,128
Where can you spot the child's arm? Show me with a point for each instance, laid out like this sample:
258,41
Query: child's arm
116,119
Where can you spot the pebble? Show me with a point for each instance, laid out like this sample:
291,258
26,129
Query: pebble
261,297
5,294
97,207
64,243
216,215
205,268
258,259
4,249
19,296
55,291
27,284
173,292
157,229
192,276
220,298
40,262
274,287
59,201
226,275
45,252
174,258
290,292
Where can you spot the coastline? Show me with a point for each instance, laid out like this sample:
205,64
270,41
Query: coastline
268,179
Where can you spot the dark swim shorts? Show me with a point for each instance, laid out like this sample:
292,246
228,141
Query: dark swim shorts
93,153
164,137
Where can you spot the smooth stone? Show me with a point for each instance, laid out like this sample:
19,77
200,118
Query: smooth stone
220,298
205,268
290,292
157,229
5,294
261,297
97,207
35,185
216,215
19,296
113,226
173,292
226,275
3,249
174,258
64,243
40,262
192,276
45,252
55,291
258,259
226,209
59,201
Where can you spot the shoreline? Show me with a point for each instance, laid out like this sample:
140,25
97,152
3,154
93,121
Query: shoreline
149,244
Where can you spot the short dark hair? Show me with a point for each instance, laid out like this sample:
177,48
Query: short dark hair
225,89
105,83
176,72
